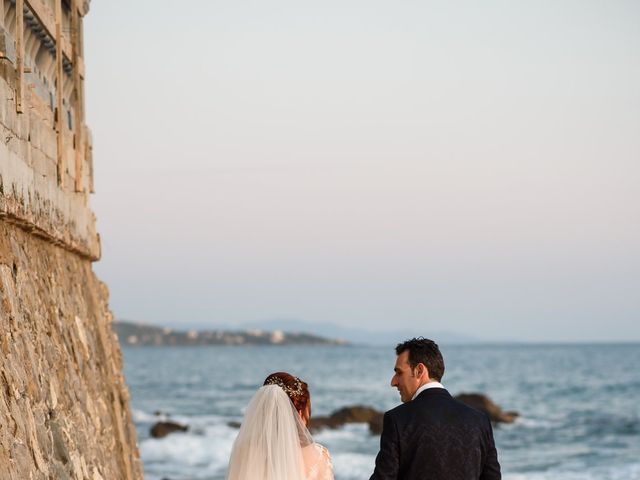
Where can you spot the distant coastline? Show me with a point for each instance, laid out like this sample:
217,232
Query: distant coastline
138,334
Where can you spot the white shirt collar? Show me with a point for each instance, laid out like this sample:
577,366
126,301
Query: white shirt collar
426,386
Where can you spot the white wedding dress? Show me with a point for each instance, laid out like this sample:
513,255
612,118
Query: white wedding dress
274,444
317,463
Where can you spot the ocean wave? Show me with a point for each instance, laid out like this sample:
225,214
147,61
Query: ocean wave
200,453
352,466
619,472
140,416
203,454
350,431
530,422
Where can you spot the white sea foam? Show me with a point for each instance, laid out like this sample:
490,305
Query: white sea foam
352,466
351,431
203,452
140,416
618,472
529,422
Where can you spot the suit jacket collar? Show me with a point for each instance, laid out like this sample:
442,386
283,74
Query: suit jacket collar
425,386
432,392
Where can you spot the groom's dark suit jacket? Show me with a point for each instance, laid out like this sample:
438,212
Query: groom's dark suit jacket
435,437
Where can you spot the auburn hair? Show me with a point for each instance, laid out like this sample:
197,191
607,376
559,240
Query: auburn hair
296,389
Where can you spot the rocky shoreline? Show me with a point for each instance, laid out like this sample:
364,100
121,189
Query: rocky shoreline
372,417
360,414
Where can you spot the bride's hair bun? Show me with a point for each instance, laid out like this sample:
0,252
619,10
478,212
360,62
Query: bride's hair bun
296,389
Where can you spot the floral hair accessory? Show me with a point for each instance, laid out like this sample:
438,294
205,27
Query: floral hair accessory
295,391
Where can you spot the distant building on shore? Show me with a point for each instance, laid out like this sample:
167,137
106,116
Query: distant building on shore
64,406
136,334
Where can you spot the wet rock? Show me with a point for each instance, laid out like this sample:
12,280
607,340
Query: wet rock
162,429
483,403
352,414
372,417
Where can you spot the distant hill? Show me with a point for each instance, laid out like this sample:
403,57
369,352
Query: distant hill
363,336
137,334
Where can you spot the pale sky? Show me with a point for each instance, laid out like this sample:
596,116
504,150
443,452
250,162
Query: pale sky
461,165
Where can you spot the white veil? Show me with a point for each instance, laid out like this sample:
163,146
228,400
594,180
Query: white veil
270,441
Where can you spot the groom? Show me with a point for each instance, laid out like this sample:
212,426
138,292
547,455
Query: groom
432,436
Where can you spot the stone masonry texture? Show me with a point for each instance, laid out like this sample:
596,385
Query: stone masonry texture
64,406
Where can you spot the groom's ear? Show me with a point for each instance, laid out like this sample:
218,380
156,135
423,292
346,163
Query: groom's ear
421,369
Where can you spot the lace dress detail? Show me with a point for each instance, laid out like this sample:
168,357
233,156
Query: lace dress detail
319,466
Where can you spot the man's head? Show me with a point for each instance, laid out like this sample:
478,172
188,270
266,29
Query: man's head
419,362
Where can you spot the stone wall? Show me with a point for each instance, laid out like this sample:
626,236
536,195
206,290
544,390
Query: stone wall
64,407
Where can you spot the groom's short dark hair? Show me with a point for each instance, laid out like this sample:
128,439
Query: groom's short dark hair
425,351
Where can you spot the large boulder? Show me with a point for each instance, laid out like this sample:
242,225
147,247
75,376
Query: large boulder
484,404
162,429
352,414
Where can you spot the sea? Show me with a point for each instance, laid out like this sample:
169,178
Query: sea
579,405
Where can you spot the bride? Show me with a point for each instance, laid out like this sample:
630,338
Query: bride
273,442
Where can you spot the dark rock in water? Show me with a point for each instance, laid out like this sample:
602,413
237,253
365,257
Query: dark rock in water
375,425
162,429
353,414
372,417
484,404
